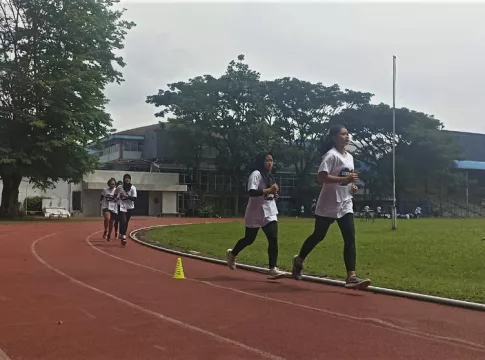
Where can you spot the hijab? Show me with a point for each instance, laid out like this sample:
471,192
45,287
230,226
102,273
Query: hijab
126,187
259,165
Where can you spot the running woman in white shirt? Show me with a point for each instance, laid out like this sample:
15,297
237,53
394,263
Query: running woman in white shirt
107,196
261,212
336,174
127,204
116,218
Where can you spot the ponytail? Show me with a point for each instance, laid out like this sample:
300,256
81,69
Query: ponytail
328,143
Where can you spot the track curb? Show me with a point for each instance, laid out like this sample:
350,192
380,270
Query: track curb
374,289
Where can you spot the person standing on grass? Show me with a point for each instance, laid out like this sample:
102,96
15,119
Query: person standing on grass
127,205
107,199
261,212
337,176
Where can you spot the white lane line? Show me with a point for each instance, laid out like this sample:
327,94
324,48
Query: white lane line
375,322
150,312
3,356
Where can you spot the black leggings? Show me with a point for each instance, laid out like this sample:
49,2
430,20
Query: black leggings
347,228
124,218
271,232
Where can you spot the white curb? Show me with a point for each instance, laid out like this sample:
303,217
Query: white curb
374,289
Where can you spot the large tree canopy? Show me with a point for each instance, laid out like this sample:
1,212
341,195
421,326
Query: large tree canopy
56,58
424,153
239,114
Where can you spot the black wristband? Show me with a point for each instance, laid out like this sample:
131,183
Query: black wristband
254,193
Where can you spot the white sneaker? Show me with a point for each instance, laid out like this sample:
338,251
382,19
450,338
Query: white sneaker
231,260
275,273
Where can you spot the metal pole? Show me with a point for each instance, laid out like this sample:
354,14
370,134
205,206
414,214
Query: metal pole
394,211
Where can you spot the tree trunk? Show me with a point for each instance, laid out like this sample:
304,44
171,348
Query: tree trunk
10,195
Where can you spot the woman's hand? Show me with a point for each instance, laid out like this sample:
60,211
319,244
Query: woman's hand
276,197
274,189
351,178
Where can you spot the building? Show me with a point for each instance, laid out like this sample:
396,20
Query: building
151,149
168,188
472,165
157,193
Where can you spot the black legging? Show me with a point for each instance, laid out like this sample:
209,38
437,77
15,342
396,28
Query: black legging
124,220
271,232
347,228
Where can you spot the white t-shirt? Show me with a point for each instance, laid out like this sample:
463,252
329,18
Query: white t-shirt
335,200
128,204
260,210
109,201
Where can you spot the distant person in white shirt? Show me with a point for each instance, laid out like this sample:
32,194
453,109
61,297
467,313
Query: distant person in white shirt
115,216
107,204
261,212
127,205
379,210
337,176
417,212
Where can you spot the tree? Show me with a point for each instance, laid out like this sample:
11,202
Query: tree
424,153
56,59
302,113
188,106
228,112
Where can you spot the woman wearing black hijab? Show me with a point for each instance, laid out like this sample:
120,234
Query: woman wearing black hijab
261,212
127,204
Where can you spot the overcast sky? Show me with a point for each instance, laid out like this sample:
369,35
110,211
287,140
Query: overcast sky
439,47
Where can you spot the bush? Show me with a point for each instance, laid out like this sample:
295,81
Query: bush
33,203
206,211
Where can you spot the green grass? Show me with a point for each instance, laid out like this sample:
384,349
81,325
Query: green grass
442,257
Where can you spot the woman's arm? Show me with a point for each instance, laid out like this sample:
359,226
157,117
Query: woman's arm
325,178
253,186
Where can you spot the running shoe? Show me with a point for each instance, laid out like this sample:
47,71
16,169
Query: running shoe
297,268
231,259
275,273
355,282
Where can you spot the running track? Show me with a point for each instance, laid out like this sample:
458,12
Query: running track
65,293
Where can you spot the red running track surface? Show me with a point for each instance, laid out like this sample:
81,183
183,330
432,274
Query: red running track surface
68,294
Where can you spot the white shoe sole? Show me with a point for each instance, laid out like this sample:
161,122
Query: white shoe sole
359,286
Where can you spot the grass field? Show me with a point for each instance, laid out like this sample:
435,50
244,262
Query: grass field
443,257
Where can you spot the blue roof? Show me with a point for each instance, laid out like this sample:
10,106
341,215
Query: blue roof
469,165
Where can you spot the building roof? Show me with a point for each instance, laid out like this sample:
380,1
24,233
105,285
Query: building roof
139,131
469,165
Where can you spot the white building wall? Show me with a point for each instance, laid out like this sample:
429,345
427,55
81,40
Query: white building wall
62,191
169,204
90,203
162,191
154,203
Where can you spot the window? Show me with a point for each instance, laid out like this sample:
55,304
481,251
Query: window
130,145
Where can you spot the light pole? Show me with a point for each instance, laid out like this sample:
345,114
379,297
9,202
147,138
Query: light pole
394,211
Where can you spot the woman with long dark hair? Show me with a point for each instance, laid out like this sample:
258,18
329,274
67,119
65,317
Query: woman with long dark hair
127,205
261,212
337,176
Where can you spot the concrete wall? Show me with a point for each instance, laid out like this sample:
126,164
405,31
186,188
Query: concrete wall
132,155
90,203
150,144
169,203
155,203
60,192
162,188
143,181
